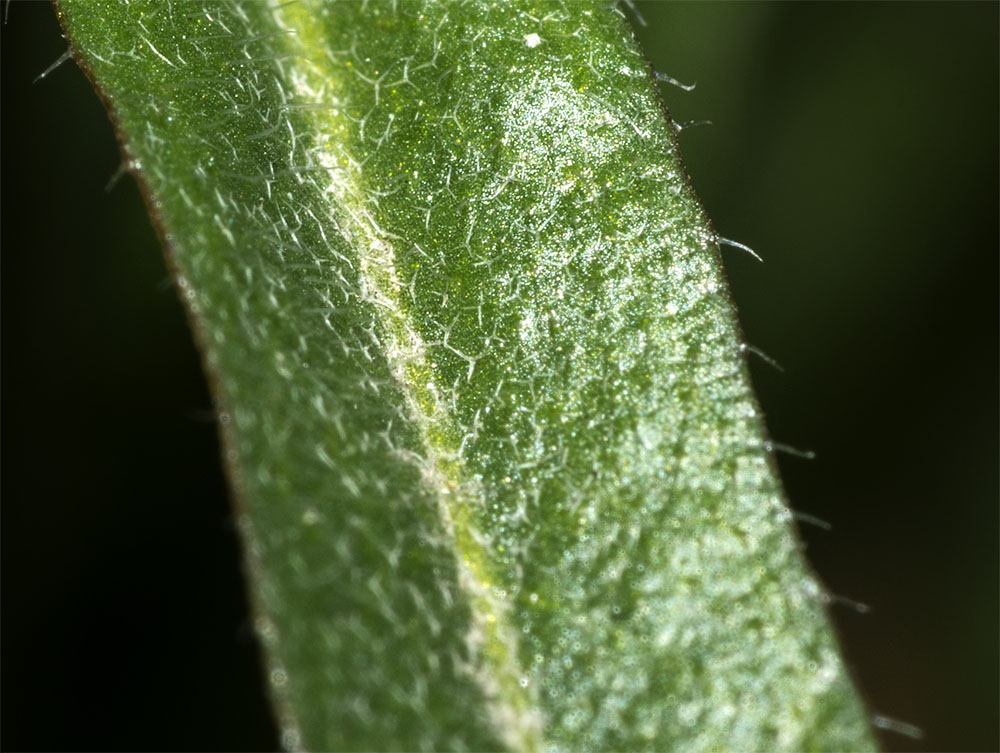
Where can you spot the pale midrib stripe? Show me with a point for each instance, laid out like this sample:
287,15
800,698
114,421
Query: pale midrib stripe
512,709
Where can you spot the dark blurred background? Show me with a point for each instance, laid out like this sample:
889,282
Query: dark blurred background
854,146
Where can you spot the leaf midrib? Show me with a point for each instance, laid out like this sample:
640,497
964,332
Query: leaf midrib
513,706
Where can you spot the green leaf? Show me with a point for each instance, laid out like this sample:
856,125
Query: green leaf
500,473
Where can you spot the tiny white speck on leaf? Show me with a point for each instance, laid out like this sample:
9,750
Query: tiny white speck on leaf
532,40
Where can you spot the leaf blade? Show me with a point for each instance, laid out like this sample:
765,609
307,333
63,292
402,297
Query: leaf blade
470,318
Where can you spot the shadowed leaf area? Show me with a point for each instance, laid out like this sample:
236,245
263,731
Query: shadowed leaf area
501,478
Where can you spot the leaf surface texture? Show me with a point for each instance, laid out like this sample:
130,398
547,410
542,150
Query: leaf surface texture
502,478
